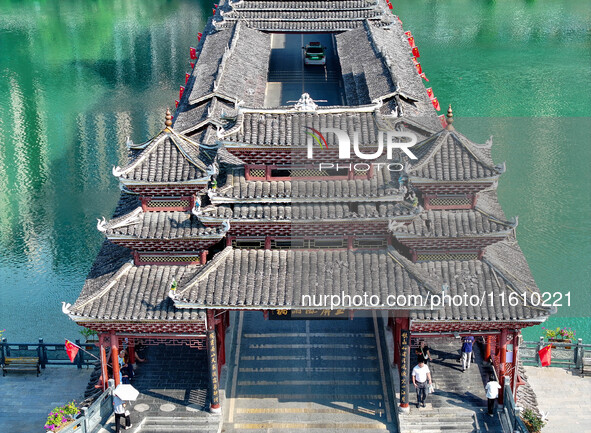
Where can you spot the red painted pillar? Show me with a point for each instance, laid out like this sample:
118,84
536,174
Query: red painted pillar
396,336
104,371
221,337
502,360
487,348
115,358
131,351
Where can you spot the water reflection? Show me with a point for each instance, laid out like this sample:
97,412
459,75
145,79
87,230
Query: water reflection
79,77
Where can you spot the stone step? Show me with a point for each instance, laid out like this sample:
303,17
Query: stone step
298,426
205,424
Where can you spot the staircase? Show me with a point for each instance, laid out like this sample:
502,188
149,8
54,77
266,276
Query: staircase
161,424
459,403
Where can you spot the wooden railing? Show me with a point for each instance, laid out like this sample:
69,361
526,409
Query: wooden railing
49,353
564,355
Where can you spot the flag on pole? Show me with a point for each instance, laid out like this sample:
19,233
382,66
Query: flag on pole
187,76
411,41
430,92
176,103
193,52
213,11
199,36
192,64
424,77
415,51
418,68
435,103
443,121
408,34
71,350
545,355
181,91
390,6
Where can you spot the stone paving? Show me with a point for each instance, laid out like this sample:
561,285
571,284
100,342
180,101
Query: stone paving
316,375
563,396
25,399
173,392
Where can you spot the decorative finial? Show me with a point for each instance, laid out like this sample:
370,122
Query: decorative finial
449,119
168,122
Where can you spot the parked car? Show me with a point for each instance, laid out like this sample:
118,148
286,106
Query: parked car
314,54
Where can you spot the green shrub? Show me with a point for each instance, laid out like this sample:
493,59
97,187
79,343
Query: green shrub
532,421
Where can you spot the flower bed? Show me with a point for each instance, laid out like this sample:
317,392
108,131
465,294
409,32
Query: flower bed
61,416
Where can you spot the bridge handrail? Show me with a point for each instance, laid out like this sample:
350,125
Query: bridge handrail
49,353
97,413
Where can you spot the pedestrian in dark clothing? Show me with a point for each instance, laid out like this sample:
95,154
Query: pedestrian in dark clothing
423,352
120,412
467,344
492,392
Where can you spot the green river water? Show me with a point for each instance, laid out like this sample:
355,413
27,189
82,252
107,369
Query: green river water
78,77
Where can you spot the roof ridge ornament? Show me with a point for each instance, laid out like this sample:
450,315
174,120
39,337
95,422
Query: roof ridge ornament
168,117
305,103
450,119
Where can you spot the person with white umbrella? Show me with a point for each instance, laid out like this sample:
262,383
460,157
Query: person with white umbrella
121,393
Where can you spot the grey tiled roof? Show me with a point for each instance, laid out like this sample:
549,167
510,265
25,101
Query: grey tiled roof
376,64
308,211
232,63
449,156
454,223
302,16
503,270
236,187
278,278
163,225
168,157
289,129
115,289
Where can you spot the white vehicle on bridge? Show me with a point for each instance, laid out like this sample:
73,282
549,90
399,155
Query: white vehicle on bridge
314,54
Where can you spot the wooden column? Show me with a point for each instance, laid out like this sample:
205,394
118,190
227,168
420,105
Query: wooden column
502,360
213,364
487,348
221,334
131,351
404,369
115,358
104,370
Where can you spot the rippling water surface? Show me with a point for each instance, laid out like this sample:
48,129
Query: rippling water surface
78,77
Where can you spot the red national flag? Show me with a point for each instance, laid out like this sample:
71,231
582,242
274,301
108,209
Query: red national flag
436,104
71,350
176,104
443,121
181,91
187,76
414,61
213,11
415,52
408,34
199,36
192,64
545,355
390,5
193,52
411,41
215,6
430,92
419,69
424,77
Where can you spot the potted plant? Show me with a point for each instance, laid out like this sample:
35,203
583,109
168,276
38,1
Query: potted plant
61,416
532,421
90,335
560,335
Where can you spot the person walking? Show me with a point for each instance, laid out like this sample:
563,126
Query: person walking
120,412
467,346
421,379
423,352
492,392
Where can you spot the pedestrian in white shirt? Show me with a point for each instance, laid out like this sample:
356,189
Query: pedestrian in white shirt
421,379
492,392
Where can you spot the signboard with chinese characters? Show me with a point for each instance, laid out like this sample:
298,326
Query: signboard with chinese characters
308,314
404,366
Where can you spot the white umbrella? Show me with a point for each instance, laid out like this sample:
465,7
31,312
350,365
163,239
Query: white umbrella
126,392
